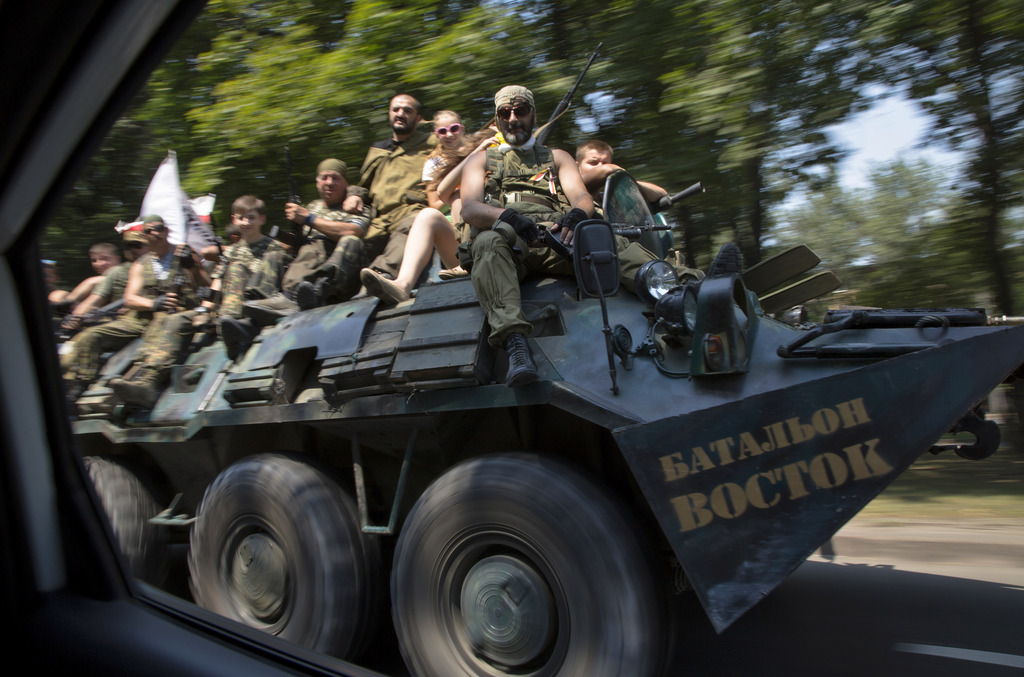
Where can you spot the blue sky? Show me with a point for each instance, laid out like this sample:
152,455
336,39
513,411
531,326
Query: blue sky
891,128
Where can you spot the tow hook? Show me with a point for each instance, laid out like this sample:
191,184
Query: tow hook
986,434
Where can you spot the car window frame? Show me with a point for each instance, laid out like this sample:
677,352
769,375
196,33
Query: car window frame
68,599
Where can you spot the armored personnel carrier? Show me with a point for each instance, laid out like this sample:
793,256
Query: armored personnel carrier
359,456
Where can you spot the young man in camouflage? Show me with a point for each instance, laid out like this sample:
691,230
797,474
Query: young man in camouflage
326,268
162,285
506,193
595,160
80,357
238,270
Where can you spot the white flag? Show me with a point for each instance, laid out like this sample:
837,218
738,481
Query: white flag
165,198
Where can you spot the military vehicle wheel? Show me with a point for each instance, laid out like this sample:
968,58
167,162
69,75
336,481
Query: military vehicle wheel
518,565
277,545
129,505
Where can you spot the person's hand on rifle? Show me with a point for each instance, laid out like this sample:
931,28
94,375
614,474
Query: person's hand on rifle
187,258
564,228
166,303
71,323
296,213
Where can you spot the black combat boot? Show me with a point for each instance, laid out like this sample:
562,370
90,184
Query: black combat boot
72,391
729,260
142,390
265,312
238,335
337,279
521,369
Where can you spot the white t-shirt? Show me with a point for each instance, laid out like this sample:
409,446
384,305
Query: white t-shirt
431,166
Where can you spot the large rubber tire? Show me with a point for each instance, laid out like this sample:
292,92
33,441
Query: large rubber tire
129,505
277,545
518,565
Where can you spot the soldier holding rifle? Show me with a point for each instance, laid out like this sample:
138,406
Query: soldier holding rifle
508,194
163,288
330,248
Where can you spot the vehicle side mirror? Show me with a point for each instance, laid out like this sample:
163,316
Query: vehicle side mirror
595,258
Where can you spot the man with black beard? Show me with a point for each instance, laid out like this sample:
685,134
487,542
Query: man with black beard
392,173
506,193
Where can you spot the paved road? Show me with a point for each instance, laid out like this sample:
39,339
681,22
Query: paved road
910,599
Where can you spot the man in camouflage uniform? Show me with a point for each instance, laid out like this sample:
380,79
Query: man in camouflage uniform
111,287
506,193
163,285
239,269
392,172
326,268
80,357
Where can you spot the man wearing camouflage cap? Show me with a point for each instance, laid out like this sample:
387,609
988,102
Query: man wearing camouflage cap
111,287
326,268
163,289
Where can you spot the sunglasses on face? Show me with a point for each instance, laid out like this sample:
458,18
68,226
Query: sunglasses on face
149,230
521,110
450,129
137,245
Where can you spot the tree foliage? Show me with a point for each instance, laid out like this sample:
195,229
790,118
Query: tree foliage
736,93
895,244
963,60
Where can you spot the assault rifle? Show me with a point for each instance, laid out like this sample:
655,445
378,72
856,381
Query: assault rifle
544,132
294,238
72,324
103,313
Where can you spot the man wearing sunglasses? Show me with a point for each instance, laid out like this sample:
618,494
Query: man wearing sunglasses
506,193
163,289
509,195
81,356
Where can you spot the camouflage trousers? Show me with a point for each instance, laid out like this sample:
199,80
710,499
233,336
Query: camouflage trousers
82,361
499,265
319,258
239,285
267,279
165,340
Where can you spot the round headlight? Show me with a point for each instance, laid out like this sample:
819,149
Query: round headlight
690,306
654,279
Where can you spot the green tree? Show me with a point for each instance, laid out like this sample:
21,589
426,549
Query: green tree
963,60
736,94
894,244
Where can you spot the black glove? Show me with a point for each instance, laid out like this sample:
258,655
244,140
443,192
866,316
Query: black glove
524,227
161,303
185,259
573,218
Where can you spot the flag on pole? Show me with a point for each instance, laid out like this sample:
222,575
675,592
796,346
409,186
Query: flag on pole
165,198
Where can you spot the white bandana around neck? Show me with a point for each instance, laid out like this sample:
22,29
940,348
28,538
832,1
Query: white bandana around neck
506,147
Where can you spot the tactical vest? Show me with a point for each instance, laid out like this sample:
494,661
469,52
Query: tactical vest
188,296
526,181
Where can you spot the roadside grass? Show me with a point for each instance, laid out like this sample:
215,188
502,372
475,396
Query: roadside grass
948,488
